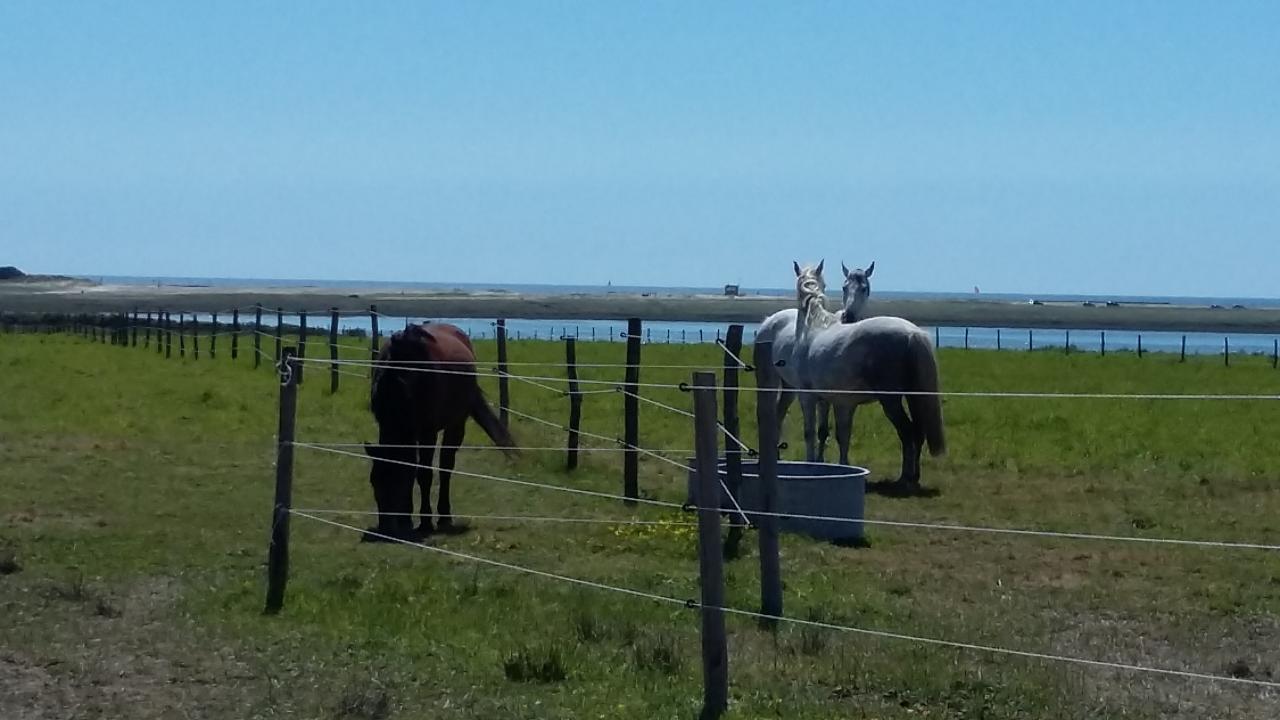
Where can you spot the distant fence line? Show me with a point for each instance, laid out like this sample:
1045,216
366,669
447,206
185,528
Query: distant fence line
346,324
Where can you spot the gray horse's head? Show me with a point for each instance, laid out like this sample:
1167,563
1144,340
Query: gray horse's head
809,281
856,290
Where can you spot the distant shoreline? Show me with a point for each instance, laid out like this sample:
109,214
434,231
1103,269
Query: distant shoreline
74,296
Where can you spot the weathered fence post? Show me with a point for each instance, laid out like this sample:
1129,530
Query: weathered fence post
235,333
333,350
1031,341
182,335
302,345
279,330
732,451
278,551
168,336
1183,358
1139,345
213,336
1226,352
767,466
998,347
575,399
937,337
1103,338
715,651
631,414
1066,350
966,338
146,340
373,335
195,338
257,335
504,383
1275,354
134,329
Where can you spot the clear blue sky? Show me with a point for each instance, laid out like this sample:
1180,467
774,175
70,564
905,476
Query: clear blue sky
1110,147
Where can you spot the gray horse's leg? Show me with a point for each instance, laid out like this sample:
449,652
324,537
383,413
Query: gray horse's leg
786,396
822,409
844,429
907,435
808,405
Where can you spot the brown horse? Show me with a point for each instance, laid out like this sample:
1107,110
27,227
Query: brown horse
424,383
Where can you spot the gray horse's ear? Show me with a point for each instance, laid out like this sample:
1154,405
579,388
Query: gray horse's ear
844,269
796,265
871,268
818,269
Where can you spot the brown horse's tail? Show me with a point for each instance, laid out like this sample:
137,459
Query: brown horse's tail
492,426
926,410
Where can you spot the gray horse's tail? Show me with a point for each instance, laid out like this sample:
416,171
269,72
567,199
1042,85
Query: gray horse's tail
926,410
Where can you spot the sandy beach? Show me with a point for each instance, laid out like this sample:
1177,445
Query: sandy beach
73,296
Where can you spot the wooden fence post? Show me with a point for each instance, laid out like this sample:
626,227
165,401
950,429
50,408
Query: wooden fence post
1067,345
333,350
1139,345
1275,354
257,335
504,383
732,451
168,336
1103,336
1031,342
373,335
1183,358
134,329
767,427
279,331
715,651
998,346
213,336
146,341
966,338
235,334
278,552
1226,352
631,413
302,345
182,335
575,400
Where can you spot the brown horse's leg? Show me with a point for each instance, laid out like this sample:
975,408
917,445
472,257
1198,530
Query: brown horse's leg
907,435
453,436
426,457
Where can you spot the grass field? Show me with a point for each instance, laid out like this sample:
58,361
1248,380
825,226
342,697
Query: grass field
136,499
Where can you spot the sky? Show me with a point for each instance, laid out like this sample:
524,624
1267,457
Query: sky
1082,147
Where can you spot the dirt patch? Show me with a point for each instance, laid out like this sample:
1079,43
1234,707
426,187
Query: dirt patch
1236,647
119,651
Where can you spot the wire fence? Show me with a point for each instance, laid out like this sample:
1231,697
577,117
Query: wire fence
548,383
694,604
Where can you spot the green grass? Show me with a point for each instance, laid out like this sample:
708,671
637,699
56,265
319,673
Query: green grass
136,501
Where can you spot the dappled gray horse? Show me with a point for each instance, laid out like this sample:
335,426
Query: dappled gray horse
779,328
849,364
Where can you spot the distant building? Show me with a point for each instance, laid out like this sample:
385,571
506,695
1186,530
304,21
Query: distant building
731,290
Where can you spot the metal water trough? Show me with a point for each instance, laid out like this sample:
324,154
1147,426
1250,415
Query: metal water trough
804,488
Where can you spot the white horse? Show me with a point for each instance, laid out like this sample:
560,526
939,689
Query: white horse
887,355
780,327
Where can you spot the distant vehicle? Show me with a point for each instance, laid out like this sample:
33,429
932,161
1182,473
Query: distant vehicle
731,291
